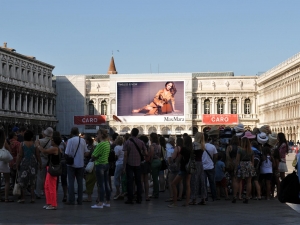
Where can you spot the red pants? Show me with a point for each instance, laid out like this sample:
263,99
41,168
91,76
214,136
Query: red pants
50,190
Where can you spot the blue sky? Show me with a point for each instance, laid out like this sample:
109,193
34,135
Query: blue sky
166,36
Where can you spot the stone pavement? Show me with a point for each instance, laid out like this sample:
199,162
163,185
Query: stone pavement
153,212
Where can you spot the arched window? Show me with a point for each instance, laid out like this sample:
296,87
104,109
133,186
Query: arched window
207,106
152,130
165,131
91,107
220,106
103,108
194,106
125,130
233,106
141,130
179,130
247,106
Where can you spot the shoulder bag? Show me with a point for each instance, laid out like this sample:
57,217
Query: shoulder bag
139,150
70,159
17,187
5,155
55,170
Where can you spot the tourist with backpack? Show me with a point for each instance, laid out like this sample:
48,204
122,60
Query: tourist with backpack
266,169
257,162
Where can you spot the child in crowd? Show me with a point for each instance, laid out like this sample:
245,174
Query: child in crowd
220,178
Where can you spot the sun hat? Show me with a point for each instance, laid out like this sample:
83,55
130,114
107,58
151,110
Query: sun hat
239,128
272,139
239,134
265,129
48,132
249,135
213,131
262,138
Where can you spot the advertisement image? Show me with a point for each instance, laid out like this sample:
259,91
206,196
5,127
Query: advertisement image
156,101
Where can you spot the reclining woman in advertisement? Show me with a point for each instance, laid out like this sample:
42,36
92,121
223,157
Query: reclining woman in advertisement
161,102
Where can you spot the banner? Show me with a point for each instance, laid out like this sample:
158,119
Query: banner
220,119
89,120
151,101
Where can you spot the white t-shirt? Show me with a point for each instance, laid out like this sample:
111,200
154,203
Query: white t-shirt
71,149
119,153
169,151
208,164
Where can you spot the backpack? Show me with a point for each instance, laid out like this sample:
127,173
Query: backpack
112,155
289,189
257,161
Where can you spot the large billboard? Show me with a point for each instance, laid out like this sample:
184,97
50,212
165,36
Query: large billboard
153,101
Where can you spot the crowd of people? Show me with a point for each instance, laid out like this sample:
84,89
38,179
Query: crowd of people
226,162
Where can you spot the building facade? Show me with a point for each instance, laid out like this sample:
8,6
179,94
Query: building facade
27,96
203,93
279,98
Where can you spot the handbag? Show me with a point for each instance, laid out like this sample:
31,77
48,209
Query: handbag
89,167
55,170
295,161
17,187
70,159
5,155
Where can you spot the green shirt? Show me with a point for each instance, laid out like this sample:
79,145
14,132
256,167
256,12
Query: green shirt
101,152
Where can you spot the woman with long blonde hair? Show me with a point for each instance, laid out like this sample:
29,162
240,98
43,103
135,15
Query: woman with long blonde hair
244,167
197,179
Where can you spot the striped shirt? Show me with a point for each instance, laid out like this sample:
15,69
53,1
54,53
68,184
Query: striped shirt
101,152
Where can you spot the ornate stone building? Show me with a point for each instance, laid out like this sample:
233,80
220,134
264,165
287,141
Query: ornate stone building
27,96
279,98
204,93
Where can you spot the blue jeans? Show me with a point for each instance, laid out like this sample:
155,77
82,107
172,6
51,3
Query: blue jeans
102,181
136,171
210,175
118,174
72,174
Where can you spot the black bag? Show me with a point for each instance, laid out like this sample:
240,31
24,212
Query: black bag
289,189
55,170
70,159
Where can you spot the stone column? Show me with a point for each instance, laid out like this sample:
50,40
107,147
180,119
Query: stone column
225,105
46,106
6,100
240,105
36,104
31,104
1,72
213,106
199,106
50,107
25,104
1,93
42,106
13,101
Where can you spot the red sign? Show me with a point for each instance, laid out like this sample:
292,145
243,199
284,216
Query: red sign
89,120
220,119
